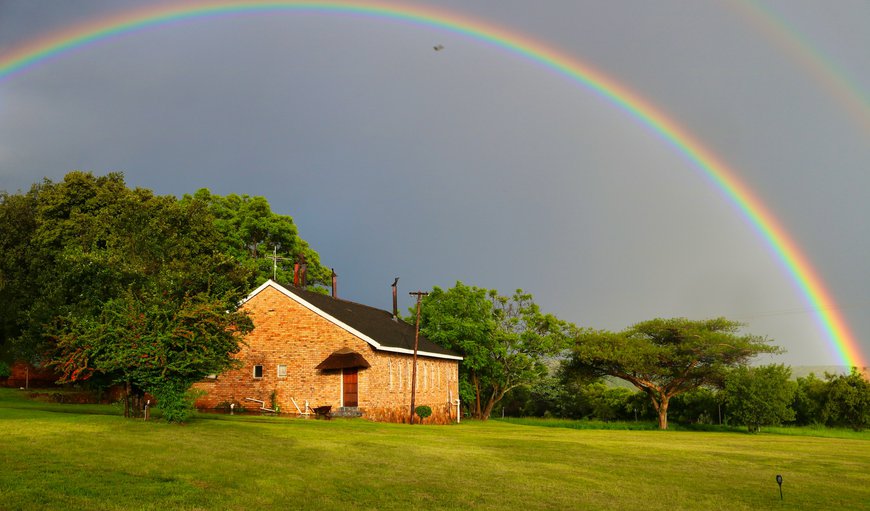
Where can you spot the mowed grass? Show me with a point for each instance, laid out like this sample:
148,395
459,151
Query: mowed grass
54,458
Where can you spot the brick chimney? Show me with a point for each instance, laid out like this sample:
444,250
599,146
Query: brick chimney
334,284
299,272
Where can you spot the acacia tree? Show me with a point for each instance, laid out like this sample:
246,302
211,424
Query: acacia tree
666,357
504,340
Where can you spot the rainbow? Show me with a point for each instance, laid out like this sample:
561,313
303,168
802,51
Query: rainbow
817,65
769,228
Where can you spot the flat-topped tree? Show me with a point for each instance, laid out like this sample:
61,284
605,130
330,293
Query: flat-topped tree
666,357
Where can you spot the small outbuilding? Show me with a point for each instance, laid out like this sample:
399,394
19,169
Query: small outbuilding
311,350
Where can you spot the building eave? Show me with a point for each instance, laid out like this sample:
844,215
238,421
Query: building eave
316,310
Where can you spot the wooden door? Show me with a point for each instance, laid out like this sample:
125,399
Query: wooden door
350,386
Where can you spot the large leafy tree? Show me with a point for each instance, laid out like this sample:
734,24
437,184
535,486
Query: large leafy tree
666,357
118,285
251,233
760,396
86,240
161,345
87,259
17,225
504,340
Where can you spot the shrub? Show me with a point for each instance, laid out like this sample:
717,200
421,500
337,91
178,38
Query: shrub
423,411
175,400
5,370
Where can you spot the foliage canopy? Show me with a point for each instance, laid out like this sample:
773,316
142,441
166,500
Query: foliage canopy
504,340
118,285
666,357
760,396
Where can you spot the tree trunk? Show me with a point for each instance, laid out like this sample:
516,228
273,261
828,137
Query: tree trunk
495,397
488,409
663,413
476,382
127,400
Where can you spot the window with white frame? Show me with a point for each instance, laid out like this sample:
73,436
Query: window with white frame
282,371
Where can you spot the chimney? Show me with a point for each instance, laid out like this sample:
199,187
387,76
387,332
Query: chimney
334,284
395,287
304,275
299,270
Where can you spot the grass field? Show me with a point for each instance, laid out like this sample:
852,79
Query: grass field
54,457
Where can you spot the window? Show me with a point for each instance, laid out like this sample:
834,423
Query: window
258,371
390,363
282,371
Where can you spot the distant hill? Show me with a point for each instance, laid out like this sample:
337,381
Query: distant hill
819,371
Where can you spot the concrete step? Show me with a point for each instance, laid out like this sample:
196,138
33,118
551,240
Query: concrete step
347,411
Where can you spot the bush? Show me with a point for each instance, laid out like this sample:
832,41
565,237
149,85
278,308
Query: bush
5,370
175,400
423,411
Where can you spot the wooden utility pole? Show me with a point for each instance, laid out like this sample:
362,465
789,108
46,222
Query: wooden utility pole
419,295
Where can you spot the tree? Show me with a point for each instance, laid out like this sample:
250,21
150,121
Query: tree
504,341
846,400
86,261
17,225
79,252
760,396
250,232
62,261
666,357
808,400
152,343
606,403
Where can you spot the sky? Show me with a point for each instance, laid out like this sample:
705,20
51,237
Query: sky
476,164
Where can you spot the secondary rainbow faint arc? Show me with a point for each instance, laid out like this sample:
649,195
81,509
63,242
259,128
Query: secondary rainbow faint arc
817,65
796,264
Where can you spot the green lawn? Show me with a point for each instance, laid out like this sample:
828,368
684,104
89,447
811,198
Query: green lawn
55,458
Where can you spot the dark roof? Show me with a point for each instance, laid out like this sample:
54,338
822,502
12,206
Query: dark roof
377,324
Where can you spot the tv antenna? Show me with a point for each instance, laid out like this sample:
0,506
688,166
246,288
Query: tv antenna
274,257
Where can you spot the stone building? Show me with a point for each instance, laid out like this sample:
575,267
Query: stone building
309,350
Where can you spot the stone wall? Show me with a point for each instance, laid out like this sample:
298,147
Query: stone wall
288,334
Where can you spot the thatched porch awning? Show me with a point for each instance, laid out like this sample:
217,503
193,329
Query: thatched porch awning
344,358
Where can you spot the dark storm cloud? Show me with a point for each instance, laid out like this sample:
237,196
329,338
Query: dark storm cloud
473,164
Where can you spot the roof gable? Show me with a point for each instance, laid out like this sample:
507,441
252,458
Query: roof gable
374,326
